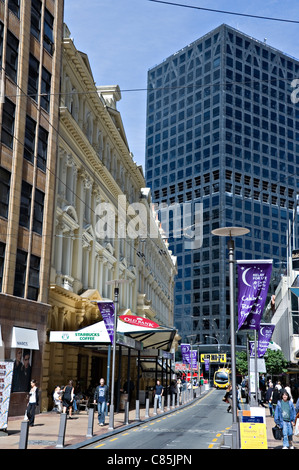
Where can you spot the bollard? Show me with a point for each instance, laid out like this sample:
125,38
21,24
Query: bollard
62,428
90,422
155,405
147,408
24,435
178,399
126,418
168,403
162,403
137,414
173,401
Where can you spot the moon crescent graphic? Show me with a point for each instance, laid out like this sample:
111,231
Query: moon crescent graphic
244,277
261,331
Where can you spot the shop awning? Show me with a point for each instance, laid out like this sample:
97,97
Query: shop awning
24,338
154,337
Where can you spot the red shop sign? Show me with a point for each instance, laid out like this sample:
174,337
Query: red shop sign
138,321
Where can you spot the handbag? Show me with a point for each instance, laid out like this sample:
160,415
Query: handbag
277,433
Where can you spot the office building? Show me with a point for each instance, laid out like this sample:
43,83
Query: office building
223,130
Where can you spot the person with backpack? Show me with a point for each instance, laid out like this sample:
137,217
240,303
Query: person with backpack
101,397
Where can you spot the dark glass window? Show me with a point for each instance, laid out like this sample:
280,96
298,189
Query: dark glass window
4,192
8,121
14,6
33,77
12,48
45,89
20,274
38,211
36,7
33,279
42,148
25,206
48,32
29,139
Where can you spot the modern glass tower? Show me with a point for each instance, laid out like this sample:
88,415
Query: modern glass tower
223,130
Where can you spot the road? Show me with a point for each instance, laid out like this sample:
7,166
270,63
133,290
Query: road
200,425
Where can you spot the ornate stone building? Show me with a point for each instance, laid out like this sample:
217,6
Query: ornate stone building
96,170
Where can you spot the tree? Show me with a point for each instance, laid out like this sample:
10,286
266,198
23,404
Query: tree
276,362
241,362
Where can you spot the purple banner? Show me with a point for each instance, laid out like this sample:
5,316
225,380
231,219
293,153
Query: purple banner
253,283
207,364
185,350
107,312
264,337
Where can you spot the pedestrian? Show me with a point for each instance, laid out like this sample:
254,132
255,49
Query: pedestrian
158,392
269,397
228,398
33,402
285,418
288,390
276,396
57,399
68,398
101,397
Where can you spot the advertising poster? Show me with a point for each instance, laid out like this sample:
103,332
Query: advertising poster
6,373
253,283
107,312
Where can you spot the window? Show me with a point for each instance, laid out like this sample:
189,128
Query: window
25,207
12,56
2,254
33,279
4,192
29,139
36,7
38,211
48,32
8,123
45,89
20,274
33,77
42,148
14,6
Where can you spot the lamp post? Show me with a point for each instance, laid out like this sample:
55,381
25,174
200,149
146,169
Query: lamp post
232,232
116,283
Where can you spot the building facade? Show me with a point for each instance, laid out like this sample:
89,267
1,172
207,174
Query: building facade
222,131
30,41
96,174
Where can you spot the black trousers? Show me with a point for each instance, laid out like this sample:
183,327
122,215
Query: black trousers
31,413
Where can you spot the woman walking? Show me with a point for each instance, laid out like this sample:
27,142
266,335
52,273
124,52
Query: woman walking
33,402
68,398
285,418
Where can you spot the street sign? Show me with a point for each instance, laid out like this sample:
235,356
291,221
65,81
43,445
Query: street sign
213,358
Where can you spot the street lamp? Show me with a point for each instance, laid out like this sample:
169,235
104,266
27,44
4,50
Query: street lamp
232,232
213,337
116,283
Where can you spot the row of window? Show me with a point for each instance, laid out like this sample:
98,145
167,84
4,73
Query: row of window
21,273
26,202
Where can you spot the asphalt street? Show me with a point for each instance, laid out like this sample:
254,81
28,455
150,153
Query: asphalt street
198,426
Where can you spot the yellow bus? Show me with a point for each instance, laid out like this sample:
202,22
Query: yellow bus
222,378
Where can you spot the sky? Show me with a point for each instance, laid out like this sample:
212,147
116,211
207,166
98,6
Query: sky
123,39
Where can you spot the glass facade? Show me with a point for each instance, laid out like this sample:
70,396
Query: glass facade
222,130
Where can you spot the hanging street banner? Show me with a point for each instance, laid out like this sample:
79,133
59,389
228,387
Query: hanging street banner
185,350
6,373
253,283
264,337
107,311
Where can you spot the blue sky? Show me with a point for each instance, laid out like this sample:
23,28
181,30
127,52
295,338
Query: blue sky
125,38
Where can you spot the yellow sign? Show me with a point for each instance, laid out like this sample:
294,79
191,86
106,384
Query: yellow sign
253,436
213,357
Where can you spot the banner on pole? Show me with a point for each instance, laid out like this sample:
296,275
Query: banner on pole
264,337
185,350
253,283
107,311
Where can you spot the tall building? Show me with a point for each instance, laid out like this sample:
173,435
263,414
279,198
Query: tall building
30,45
223,130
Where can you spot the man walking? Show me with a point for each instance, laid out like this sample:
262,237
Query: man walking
158,393
101,397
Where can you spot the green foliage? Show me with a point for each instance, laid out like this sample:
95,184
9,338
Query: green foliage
275,361
241,363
